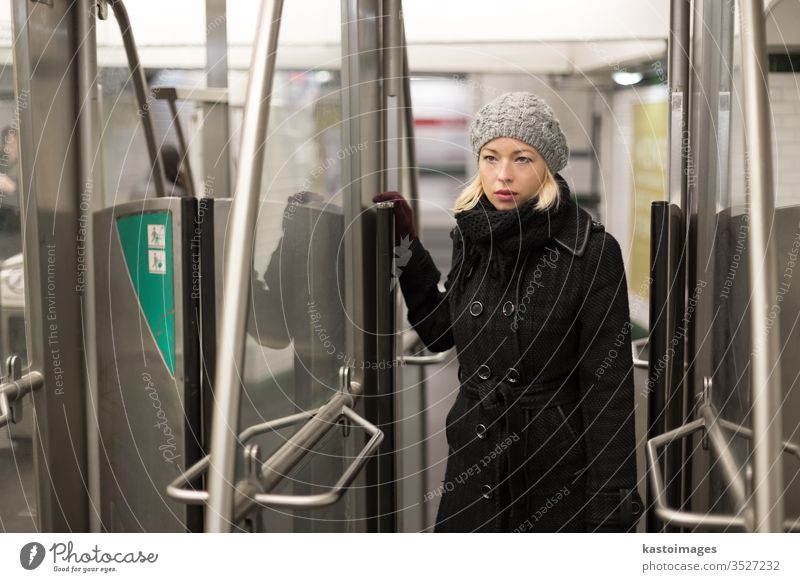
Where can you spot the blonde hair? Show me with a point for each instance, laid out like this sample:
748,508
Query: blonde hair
548,194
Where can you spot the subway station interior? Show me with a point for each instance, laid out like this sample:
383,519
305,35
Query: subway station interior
201,328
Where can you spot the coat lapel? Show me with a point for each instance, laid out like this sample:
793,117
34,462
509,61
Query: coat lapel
574,234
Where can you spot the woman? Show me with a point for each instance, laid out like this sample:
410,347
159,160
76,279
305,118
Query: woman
541,435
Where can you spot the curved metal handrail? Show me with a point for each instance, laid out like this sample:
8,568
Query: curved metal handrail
139,85
237,262
251,490
638,347
711,423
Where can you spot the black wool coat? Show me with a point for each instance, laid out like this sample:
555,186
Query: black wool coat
541,435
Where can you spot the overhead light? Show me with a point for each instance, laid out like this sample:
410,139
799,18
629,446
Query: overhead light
323,77
626,78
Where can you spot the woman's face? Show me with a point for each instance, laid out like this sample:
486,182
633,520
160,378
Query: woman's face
511,172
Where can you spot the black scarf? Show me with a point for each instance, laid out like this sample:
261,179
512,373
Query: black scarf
503,238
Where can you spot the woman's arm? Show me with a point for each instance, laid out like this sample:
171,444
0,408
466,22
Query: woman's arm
606,385
428,308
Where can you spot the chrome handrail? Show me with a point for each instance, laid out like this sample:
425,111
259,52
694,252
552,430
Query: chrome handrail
254,489
711,423
14,388
424,360
237,262
176,489
766,385
637,346
139,85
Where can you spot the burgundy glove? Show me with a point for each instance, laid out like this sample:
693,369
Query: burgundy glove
403,215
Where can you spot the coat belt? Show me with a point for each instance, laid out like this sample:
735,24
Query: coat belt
509,403
533,395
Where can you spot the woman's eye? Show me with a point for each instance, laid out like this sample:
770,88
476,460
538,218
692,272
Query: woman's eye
524,160
489,158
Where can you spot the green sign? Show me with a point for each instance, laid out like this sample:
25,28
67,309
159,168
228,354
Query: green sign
146,240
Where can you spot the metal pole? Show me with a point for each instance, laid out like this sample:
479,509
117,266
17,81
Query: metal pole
393,63
216,131
363,176
88,156
660,334
238,258
675,398
766,378
386,327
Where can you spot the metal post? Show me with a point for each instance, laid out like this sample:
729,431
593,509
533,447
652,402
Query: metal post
766,378
44,58
386,299
238,259
660,334
216,130
363,176
87,177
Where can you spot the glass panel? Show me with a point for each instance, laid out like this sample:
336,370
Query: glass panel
730,341
717,283
730,338
125,160
17,482
296,338
785,306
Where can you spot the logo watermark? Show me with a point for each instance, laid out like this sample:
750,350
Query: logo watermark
31,555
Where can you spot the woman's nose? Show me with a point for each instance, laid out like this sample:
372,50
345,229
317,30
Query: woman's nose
506,173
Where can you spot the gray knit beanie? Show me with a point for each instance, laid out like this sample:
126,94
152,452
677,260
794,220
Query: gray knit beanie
525,117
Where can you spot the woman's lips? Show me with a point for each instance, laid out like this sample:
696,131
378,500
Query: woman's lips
505,194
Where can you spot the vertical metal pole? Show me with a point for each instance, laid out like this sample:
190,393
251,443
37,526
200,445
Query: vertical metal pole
766,380
408,118
675,401
393,67
238,261
708,66
660,334
386,327
678,78
216,124
363,177
87,174
413,193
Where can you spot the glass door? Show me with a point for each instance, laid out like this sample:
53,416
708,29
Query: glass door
738,319
296,337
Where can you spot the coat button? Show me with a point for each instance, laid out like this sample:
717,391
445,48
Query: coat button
476,308
484,372
508,308
487,492
512,375
480,430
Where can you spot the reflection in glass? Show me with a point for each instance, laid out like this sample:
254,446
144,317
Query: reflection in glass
17,480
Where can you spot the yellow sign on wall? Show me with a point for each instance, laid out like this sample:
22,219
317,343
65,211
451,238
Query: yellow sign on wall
650,163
